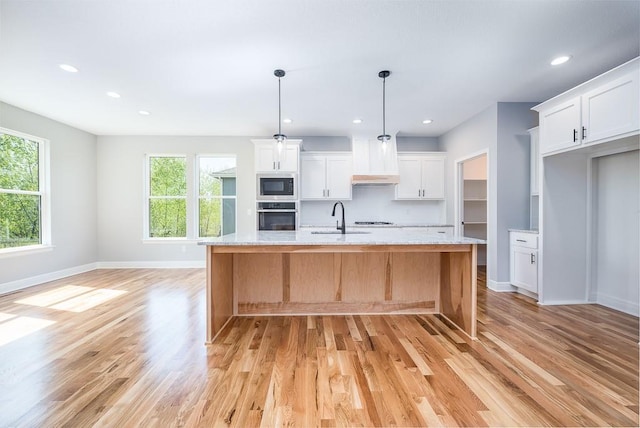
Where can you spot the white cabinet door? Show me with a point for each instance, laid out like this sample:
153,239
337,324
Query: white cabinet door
560,126
433,178
338,177
612,109
535,165
524,268
288,159
312,177
410,186
265,158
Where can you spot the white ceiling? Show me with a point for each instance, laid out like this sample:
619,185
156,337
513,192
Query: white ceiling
205,67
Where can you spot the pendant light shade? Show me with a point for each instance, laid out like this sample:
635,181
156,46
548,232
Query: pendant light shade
280,138
384,137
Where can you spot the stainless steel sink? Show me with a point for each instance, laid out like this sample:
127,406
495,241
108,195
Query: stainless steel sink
337,232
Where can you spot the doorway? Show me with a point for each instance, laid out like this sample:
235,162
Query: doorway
472,212
616,207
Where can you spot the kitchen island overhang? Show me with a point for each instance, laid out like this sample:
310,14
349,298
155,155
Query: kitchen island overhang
299,273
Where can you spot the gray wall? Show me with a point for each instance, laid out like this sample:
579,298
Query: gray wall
343,144
120,194
73,197
501,131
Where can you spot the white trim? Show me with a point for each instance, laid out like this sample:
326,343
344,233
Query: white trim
170,241
632,308
501,287
565,302
20,284
186,264
26,250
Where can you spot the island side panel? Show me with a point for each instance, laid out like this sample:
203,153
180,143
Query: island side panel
219,291
416,278
458,284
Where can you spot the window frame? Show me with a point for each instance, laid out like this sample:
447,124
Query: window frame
146,232
198,197
44,192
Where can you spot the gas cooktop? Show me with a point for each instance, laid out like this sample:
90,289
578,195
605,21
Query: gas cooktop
373,222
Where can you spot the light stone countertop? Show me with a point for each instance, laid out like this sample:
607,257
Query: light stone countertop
381,236
394,225
532,231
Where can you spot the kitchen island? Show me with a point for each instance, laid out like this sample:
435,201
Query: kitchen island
381,271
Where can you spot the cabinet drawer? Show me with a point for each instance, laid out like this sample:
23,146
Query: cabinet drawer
527,240
445,231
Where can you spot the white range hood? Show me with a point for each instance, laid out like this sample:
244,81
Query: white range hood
373,162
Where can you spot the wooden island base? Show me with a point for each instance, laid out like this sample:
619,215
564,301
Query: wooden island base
332,279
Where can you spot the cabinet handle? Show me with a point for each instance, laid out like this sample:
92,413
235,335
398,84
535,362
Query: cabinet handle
423,193
278,164
575,135
324,191
533,258
521,240
274,165
418,192
327,193
584,133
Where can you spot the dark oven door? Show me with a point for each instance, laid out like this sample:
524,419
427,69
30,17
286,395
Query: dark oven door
277,220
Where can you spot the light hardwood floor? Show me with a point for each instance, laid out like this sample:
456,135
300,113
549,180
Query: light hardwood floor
126,348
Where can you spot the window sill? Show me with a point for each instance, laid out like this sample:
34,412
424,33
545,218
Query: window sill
25,251
163,241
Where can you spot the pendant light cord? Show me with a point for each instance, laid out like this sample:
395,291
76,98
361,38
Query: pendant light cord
384,103
279,110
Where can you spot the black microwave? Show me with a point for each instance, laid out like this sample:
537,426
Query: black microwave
276,187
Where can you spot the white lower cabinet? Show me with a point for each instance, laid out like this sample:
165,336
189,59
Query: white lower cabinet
524,260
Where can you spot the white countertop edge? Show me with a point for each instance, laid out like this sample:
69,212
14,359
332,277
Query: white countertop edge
378,237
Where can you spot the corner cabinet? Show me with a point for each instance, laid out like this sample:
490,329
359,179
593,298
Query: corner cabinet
603,109
421,176
325,176
524,260
268,158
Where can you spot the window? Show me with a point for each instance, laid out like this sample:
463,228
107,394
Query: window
182,205
23,198
167,197
216,196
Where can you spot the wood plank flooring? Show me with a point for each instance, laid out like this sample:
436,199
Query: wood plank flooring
126,348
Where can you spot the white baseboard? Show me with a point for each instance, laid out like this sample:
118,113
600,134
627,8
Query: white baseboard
565,302
186,264
9,287
528,293
631,308
502,287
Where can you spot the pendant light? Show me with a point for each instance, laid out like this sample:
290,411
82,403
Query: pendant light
384,137
280,138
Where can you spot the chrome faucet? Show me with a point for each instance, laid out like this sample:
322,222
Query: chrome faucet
333,214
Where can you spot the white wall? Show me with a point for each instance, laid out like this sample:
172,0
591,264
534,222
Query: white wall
374,203
616,191
73,200
120,195
500,130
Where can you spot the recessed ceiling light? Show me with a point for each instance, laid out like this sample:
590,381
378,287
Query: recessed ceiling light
113,94
144,112
357,121
287,120
427,121
560,60
69,68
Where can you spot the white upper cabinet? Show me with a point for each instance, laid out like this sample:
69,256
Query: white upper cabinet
611,109
374,162
271,159
421,176
325,176
603,109
560,125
